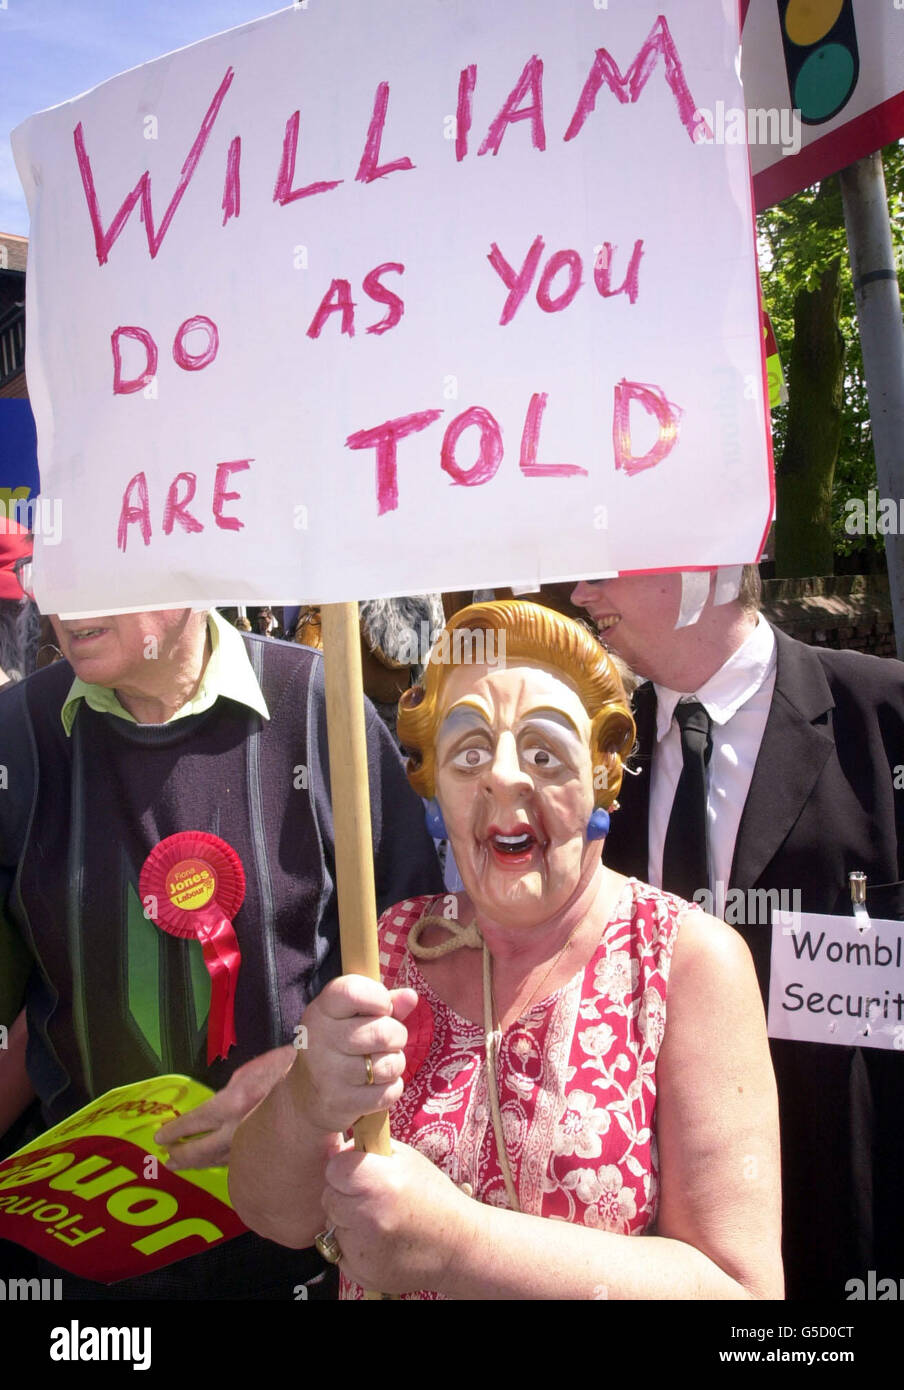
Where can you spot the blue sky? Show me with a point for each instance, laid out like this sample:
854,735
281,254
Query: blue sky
51,50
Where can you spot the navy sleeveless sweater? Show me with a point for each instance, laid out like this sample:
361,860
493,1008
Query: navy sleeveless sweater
112,998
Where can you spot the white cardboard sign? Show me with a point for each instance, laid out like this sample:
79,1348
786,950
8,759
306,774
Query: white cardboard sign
365,299
832,983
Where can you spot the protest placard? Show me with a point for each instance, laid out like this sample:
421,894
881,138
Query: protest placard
93,1195
356,300
830,982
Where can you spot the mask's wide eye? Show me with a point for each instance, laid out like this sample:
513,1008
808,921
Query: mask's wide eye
542,758
470,758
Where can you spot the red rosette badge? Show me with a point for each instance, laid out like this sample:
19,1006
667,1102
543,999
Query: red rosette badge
195,883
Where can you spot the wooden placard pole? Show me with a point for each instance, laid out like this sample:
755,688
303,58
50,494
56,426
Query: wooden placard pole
351,817
351,820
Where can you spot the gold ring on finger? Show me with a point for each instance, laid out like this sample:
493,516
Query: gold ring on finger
369,1064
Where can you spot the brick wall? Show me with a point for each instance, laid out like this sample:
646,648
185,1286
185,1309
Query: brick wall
847,612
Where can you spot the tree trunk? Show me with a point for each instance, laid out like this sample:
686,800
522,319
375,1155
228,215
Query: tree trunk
804,475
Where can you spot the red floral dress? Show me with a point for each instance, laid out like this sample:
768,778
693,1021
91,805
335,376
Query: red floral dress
577,1076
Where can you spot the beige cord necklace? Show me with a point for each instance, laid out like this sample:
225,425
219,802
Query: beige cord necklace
470,936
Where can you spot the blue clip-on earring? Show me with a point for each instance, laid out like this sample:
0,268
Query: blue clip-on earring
436,826
598,825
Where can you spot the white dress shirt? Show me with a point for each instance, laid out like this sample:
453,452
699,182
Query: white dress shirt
737,699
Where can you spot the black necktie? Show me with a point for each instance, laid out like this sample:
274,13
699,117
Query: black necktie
685,867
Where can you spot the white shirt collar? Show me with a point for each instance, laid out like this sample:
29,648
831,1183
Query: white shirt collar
731,686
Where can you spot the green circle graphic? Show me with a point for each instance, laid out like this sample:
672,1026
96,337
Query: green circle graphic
824,82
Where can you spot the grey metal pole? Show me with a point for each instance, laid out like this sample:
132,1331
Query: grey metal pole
868,229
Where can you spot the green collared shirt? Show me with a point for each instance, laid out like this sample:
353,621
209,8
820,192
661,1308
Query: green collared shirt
228,673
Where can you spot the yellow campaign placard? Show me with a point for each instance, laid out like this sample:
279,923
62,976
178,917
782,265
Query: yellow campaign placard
93,1195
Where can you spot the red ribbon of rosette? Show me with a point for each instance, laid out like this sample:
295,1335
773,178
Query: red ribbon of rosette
196,884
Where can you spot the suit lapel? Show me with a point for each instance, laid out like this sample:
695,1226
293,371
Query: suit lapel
797,742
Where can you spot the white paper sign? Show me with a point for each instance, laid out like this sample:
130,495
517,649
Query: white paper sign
366,299
832,983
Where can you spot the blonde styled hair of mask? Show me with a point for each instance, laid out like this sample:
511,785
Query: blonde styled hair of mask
532,633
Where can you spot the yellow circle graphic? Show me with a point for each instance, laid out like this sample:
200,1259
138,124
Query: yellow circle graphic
808,20
190,884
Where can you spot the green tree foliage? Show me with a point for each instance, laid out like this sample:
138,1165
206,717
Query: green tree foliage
798,241
805,470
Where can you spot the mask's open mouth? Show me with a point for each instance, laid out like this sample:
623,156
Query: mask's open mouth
514,846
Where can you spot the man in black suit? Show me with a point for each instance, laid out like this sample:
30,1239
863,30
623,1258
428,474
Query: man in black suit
801,790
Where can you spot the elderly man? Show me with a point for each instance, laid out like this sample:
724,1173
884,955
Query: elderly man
176,723
794,750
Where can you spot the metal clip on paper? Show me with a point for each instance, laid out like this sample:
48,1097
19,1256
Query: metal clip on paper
857,881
